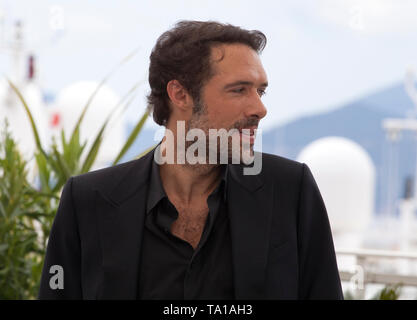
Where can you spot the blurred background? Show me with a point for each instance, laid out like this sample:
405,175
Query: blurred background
342,98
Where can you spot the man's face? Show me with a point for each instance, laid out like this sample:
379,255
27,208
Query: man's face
232,96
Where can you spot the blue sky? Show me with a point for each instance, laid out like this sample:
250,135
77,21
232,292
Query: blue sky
320,54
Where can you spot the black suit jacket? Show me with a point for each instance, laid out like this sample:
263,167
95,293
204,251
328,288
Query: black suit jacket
282,246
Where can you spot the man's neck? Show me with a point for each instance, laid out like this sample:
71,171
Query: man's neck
189,183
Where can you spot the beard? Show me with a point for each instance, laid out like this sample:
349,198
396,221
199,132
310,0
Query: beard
222,144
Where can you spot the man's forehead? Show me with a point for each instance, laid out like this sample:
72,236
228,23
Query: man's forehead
236,60
234,52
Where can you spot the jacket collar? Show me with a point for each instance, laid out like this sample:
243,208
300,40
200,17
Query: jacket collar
134,178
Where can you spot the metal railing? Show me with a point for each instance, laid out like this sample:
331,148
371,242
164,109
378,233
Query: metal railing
364,276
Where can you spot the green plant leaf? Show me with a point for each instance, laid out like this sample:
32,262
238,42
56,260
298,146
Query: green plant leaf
3,247
389,292
44,173
130,92
102,82
2,210
4,271
132,137
92,154
64,170
145,152
29,114
15,213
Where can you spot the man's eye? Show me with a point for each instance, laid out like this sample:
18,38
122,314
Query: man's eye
238,90
261,92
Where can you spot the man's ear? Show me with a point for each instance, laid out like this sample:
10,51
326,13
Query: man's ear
179,96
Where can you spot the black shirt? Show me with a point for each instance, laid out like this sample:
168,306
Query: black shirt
170,268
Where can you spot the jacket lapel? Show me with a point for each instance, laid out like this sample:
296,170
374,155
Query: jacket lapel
250,207
120,214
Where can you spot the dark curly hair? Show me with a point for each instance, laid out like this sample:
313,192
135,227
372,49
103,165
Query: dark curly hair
183,54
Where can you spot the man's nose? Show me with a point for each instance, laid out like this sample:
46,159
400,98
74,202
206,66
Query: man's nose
256,108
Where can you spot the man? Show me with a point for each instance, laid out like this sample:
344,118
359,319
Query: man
195,230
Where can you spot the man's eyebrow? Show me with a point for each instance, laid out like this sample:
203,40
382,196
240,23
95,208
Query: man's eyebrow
244,83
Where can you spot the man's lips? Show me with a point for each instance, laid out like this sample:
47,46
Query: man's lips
248,134
248,131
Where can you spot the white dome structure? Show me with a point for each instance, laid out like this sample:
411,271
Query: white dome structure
19,125
345,175
69,105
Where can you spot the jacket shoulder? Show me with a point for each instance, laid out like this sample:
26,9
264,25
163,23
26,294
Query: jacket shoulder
107,179
99,176
277,167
